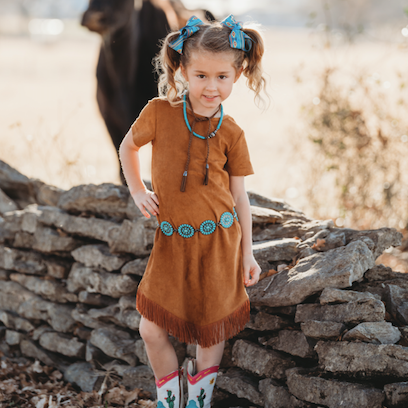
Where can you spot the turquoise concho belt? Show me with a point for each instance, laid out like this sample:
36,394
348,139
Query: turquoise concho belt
206,228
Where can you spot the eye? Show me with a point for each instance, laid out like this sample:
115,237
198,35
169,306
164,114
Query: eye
201,76
223,77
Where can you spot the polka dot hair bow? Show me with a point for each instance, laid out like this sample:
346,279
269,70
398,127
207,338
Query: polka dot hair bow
191,27
238,39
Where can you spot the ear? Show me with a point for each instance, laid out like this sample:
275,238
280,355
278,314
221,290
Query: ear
238,74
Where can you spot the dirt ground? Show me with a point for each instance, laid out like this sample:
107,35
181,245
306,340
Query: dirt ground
50,126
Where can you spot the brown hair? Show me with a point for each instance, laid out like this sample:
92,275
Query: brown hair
213,37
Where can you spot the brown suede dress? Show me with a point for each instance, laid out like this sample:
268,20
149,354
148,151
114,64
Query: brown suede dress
193,284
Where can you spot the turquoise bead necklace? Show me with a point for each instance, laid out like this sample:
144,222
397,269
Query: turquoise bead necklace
212,134
207,138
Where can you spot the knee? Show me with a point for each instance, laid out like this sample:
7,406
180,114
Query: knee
151,333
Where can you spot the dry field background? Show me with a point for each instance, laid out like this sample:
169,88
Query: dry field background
51,129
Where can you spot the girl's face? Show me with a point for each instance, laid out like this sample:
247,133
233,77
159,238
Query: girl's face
211,77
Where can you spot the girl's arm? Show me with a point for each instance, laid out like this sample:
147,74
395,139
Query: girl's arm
129,158
251,267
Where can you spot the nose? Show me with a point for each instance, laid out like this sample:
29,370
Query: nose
211,85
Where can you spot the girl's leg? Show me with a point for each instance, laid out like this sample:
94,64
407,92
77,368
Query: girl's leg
160,351
209,357
202,374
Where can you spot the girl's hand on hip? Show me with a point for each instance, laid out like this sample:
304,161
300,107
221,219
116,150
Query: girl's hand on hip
251,270
146,200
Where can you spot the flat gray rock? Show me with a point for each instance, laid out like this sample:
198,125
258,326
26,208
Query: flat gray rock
140,350
67,345
29,218
48,289
95,355
32,307
383,273
32,349
6,203
23,240
371,310
83,375
363,360
80,314
21,261
396,299
58,269
263,321
324,240
133,237
126,318
4,275
87,227
98,255
260,361
14,338
261,215
60,317
396,394
322,330
46,194
16,185
14,322
382,238
332,393
95,299
275,395
39,331
140,377
15,298
374,332
275,250
115,343
404,335
135,267
293,342
108,199
99,281
332,295
276,204
236,382
50,240
291,228
337,268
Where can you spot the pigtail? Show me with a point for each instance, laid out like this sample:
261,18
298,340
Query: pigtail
167,64
253,64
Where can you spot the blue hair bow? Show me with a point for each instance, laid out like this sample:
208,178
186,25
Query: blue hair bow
188,30
238,39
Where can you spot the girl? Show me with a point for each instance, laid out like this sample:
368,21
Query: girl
194,284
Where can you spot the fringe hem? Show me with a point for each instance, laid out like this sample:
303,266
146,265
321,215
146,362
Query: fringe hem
205,336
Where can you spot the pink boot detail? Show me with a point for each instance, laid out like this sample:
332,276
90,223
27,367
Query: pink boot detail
170,391
200,385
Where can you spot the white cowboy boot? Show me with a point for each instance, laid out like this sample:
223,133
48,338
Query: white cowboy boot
200,385
170,391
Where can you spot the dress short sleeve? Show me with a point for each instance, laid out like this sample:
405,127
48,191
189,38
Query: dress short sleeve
238,160
144,127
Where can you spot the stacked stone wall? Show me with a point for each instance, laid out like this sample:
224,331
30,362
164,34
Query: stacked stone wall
328,328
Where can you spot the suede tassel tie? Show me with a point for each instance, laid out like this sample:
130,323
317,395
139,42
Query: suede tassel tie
207,167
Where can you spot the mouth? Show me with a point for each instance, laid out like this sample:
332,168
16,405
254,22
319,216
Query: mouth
210,97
